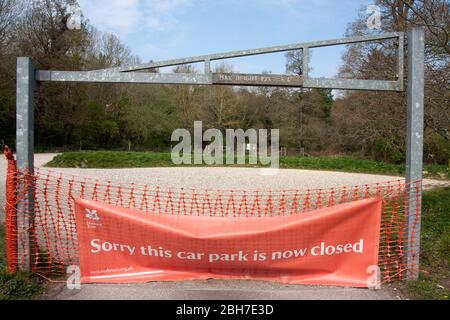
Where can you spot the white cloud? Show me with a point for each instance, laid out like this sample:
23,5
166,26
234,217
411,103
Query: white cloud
116,16
167,5
160,23
123,17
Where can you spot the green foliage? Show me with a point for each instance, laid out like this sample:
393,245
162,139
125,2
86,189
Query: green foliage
341,163
426,288
327,102
434,279
118,159
19,286
389,150
111,159
107,132
437,148
436,228
7,120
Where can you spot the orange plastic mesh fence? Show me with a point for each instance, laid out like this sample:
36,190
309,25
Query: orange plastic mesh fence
53,231
10,211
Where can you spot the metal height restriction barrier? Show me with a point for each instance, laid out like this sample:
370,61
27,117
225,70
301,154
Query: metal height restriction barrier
28,77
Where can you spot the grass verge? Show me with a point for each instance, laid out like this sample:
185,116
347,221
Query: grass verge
19,286
112,159
434,279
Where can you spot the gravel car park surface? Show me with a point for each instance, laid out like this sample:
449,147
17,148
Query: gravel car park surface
216,178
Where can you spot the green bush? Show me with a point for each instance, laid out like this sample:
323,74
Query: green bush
388,150
436,148
19,286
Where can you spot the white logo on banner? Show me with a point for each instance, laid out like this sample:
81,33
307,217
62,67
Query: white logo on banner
91,214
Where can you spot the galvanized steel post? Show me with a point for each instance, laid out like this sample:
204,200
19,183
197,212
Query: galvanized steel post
414,161
25,158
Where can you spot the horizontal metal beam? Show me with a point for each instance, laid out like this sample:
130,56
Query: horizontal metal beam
238,79
119,77
265,80
258,51
352,84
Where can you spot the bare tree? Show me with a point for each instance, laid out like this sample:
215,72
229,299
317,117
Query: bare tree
377,61
9,12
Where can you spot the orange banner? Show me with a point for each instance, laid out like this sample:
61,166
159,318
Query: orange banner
333,246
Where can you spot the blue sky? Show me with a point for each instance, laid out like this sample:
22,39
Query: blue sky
166,29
